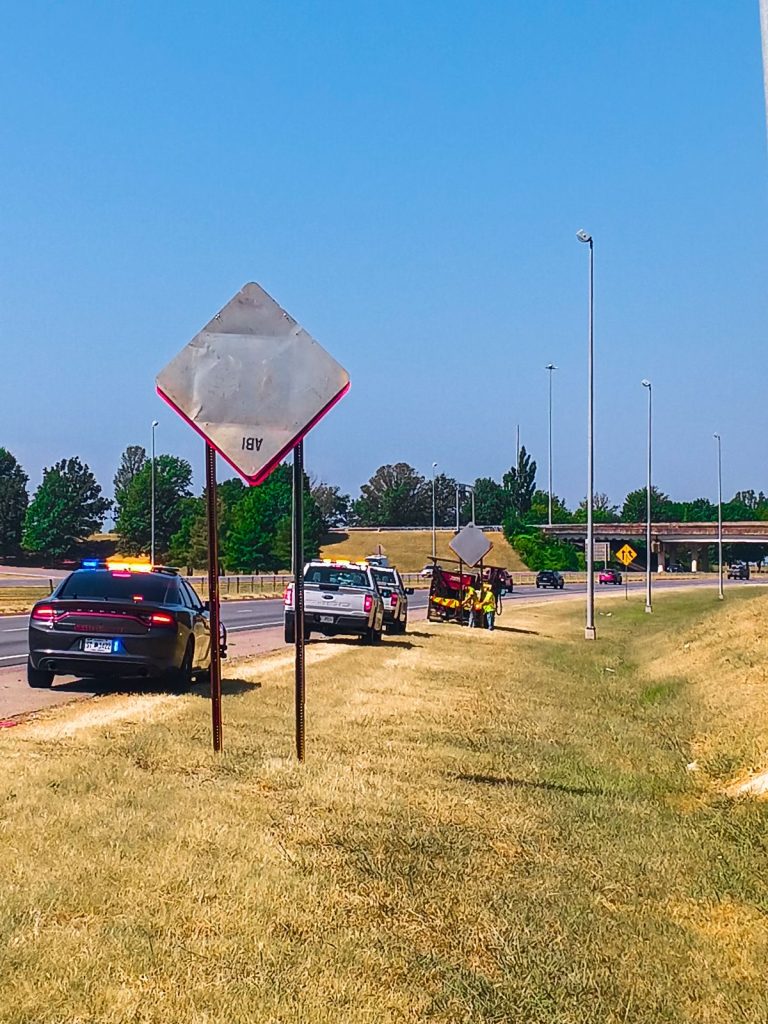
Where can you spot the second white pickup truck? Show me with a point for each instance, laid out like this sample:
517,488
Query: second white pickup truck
340,598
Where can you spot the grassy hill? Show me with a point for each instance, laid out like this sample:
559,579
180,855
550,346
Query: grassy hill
410,550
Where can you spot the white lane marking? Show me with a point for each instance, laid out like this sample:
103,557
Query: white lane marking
254,625
10,657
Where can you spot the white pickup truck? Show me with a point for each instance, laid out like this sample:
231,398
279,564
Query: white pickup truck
339,598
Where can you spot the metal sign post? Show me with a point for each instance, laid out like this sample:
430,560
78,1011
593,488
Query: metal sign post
298,592
213,592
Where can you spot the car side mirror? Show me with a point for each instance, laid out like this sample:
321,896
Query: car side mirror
409,590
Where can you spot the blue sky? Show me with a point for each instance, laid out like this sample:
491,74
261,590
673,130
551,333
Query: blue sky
407,180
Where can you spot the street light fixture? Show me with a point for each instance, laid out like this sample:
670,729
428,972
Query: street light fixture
551,368
589,630
648,601
719,517
152,499
434,523
465,488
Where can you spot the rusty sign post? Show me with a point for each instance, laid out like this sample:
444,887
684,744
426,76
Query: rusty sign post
253,383
213,592
298,593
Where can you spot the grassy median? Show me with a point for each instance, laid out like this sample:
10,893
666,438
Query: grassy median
517,826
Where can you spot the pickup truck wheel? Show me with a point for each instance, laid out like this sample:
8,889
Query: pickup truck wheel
38,678
372,636
290,631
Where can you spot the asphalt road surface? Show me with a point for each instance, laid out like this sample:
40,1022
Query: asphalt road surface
254,627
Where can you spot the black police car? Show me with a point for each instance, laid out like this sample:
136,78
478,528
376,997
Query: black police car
108,621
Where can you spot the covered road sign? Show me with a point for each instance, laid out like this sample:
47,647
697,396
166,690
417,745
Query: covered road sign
253,382
471,545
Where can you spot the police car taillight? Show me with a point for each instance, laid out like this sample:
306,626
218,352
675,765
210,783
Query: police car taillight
162,619
43,613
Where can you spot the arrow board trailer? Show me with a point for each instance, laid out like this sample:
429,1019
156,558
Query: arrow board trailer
449,587
253,383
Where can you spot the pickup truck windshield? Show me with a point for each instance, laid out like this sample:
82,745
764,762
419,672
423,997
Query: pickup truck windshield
336,577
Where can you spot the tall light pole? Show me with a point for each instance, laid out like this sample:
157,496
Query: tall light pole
471,489
589,629
648,602
719,517
152,500
550,367
434,523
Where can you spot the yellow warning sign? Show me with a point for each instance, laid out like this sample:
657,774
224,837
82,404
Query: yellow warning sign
626,555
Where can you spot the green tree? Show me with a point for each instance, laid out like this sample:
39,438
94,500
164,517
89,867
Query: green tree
395,496
700,510
252,543
634,508
491,502
189,544
132,460
445,500
67,507
13,502
603,510
520,483
539,512
333,506
173,480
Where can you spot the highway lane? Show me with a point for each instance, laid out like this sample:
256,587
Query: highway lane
238,617
250,616
255,628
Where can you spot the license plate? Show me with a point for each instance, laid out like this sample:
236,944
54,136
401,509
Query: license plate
97,646
326,618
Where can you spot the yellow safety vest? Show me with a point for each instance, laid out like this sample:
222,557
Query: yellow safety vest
489,601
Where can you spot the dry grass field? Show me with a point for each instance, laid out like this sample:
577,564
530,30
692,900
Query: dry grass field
16,600
507,827
410,550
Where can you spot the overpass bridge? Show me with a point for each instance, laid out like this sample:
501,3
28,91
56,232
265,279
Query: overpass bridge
668,540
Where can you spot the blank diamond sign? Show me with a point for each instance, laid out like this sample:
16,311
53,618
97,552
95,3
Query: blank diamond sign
253,382
470,544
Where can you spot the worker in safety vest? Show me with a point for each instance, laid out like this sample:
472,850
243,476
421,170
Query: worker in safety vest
488,601
470,599
478,606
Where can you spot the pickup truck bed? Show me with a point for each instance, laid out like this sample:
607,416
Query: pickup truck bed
338,600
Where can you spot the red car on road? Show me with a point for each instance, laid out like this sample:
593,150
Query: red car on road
610,576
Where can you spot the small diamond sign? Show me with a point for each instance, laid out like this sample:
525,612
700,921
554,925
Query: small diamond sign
253,382
626,555
470,545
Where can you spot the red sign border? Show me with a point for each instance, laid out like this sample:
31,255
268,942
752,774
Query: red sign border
259,478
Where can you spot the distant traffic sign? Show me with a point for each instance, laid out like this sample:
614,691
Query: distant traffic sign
253,382
626,555
602,550
470,544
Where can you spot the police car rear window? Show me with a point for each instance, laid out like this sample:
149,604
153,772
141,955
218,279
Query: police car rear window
340,577
106,586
